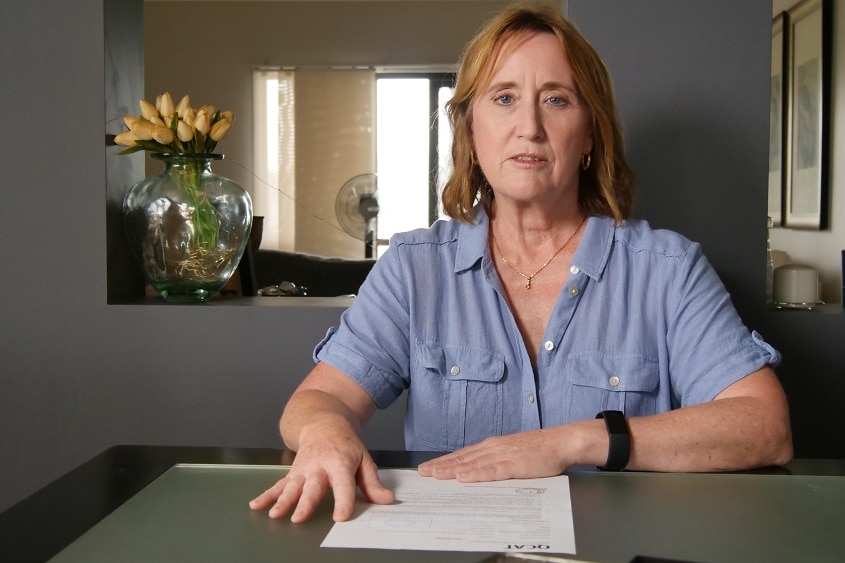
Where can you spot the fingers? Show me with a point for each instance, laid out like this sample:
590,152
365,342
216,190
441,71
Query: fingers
486,470
289,492
493,459
268,497
439,468
307,497
344,498
303,495
451,465
460,465
371,485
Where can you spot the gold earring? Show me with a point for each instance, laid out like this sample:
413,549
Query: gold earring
585,161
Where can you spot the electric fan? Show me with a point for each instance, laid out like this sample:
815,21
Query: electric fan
356,207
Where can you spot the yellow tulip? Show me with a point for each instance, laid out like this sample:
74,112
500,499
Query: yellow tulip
143,129
184,132
125,139
129,120
148,110
179,127
183,106
163,135
201,123
189,116
219,129
165,106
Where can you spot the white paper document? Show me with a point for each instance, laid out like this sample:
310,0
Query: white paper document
517,515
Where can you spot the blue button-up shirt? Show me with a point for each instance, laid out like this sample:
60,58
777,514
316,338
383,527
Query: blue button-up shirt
644,325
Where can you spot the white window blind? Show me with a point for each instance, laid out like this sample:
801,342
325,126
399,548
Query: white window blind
314,130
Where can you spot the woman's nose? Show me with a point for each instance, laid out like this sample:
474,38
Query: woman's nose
529,121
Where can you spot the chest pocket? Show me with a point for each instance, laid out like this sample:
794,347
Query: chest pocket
597,382
456,395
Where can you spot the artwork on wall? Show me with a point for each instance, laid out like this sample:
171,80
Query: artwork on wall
777,114
806,50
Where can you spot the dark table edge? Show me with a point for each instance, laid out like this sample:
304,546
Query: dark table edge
37,528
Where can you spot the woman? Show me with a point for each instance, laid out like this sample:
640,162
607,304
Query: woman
540,305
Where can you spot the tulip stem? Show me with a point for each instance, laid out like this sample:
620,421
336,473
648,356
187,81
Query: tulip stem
204,213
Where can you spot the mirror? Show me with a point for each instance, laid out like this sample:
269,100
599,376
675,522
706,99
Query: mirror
320,37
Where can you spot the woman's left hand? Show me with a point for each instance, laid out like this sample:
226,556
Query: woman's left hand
536,453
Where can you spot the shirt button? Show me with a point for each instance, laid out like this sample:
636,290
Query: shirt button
614,381
549,345
574,270
531,397
573,291
455,370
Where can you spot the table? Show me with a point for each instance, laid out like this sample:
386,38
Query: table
794,513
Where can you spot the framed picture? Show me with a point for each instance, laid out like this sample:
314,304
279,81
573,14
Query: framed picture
808,39
777,117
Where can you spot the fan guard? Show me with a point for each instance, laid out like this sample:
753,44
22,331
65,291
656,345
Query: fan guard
356,208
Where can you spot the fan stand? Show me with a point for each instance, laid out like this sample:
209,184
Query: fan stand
368,206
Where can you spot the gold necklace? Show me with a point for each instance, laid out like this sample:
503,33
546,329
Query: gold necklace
549,261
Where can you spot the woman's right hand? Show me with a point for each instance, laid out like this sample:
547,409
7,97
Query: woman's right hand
337,462
321,423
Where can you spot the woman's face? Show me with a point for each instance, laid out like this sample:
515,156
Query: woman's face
530,127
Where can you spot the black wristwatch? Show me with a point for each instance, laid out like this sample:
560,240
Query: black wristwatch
620,440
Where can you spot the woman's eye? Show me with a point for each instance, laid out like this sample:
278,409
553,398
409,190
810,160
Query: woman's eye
557,101
504,99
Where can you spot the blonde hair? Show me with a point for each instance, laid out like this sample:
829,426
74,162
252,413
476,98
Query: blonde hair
607,186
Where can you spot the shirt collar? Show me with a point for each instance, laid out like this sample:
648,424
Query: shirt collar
594,251
472,240
591,257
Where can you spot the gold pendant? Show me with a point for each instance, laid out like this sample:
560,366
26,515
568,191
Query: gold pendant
528,285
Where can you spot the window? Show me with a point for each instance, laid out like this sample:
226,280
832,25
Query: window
412,150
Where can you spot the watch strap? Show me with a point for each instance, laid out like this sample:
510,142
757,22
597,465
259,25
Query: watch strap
619,436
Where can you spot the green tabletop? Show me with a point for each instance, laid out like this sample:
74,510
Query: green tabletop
200,513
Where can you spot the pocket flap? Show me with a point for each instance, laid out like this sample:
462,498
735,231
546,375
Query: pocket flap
614,373
462,363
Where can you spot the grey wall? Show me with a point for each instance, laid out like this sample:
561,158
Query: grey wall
692,78
78,375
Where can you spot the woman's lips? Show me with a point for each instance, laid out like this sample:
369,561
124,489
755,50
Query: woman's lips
527,159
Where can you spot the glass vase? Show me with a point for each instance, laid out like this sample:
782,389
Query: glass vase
188,227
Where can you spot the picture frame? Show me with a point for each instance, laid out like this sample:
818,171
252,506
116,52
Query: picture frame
777,119
808,41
